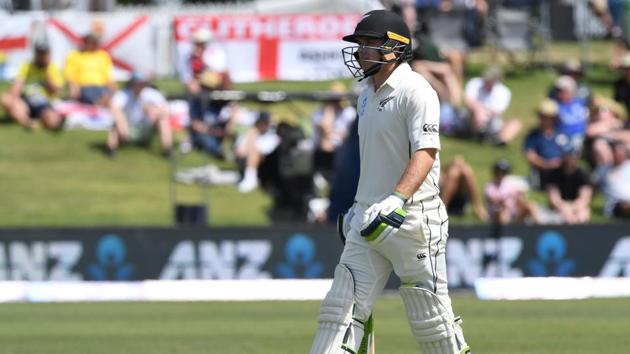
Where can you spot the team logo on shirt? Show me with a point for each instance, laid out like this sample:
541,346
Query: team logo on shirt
383,102
430,128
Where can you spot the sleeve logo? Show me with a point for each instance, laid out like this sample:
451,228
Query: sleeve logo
430,128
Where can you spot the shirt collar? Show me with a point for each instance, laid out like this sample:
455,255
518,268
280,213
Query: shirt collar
397,75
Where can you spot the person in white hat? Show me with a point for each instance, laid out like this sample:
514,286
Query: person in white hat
202,70
543,145
572,111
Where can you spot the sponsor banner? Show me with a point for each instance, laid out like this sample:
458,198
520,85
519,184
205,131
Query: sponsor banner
15,31
300,252
129,39
274,47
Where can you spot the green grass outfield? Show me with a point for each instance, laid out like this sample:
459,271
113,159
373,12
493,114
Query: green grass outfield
65,179
491,327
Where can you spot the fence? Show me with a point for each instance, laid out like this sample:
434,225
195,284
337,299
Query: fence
297,252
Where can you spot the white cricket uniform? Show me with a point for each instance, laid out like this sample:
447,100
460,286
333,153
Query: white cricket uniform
400,117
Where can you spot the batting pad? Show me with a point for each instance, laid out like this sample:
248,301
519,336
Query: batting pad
335,316
431,323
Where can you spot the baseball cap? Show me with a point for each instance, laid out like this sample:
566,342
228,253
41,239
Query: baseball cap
493,73
201,35
547,108
565,82
41,46
572,66
381,24
502,165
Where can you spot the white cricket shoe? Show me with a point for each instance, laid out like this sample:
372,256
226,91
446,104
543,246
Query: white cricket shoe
249,182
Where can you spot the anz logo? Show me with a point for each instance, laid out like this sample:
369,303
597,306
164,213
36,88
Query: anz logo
551,250
301,261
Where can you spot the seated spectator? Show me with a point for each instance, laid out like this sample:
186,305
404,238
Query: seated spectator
331,123
606,126
543,146
621,87
89,73
202,70
487,99
506,198
429,63
33,92
474,14
251,149
572,112
569,189
458,186
616,187
138,111
613,15
575,70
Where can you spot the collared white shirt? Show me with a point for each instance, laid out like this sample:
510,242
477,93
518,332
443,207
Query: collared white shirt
399,118
498,98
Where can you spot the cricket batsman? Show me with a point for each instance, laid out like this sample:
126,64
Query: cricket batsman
398,221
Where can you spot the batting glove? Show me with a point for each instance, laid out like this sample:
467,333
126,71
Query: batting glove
384,218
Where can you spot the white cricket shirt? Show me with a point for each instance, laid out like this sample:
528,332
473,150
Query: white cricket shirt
401,117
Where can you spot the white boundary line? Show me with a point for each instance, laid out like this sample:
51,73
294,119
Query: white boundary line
165,290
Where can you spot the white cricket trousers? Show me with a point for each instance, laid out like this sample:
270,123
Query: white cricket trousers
416,253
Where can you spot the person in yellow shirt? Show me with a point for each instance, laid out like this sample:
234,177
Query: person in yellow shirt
33,91
89,73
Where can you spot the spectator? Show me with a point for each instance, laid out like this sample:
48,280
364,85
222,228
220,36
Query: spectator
458,186
621,87
137,111
428,62
506,198
89,73
613,13
544,145
569,189
204,65
572,112
487,99
33,92
331,123
251,149
202,70
474,13
616,185
575,70
606,126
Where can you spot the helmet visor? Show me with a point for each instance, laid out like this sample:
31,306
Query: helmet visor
388,54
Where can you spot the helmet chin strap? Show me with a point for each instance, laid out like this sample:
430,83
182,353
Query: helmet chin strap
371,71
